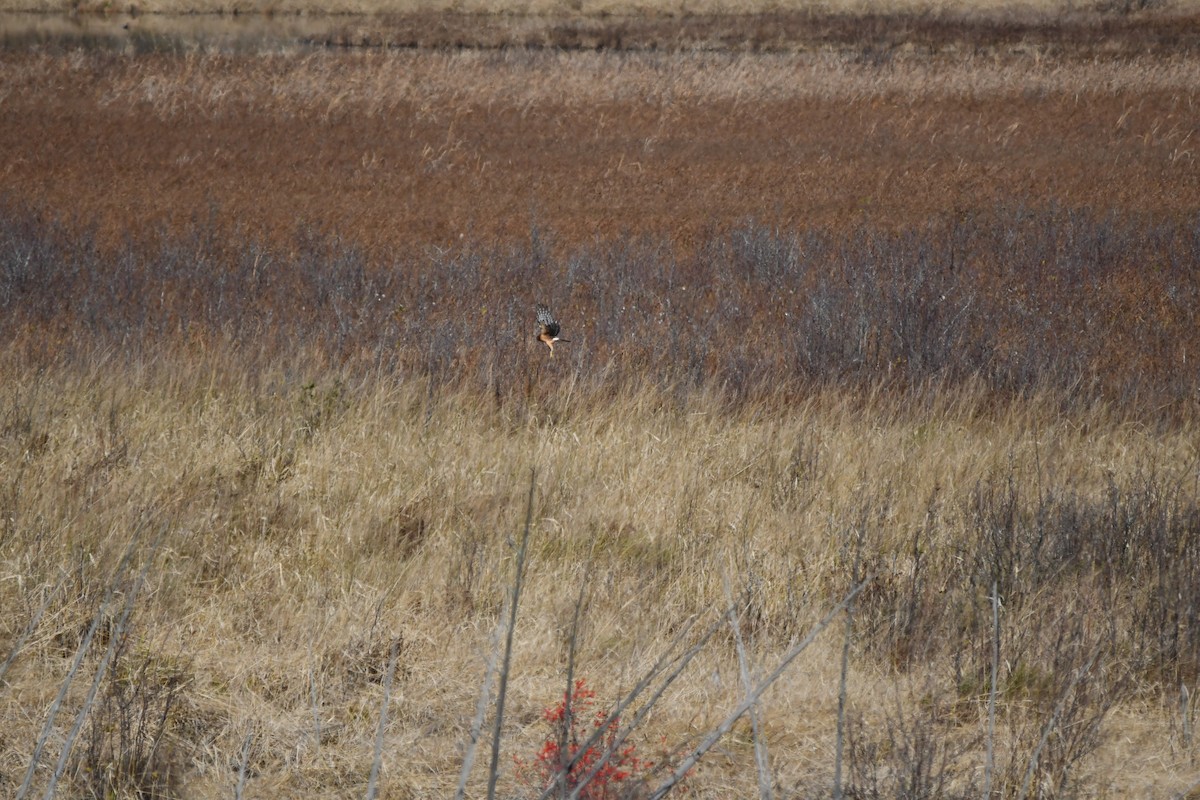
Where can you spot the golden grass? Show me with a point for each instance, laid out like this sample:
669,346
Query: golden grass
312,523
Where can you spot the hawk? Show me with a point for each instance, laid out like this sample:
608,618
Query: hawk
547,328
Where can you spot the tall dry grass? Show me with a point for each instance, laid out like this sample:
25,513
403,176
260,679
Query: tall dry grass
317,519
301,460
345,480
408,149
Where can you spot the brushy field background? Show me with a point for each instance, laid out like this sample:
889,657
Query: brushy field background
842,301
589,8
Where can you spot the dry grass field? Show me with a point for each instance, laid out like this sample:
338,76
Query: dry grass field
404,147
846,301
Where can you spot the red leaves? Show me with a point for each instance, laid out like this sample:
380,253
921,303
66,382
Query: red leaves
573,721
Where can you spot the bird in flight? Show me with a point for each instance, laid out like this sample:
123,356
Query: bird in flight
547,328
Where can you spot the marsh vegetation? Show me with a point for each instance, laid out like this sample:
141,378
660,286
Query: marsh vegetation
270,403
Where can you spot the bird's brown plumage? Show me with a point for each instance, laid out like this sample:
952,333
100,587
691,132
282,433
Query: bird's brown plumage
547,328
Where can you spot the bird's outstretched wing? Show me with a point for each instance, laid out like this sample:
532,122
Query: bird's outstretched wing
547,324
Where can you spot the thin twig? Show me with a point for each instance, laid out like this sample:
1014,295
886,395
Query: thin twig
240,788
1053,722
116,636
312,697
481,706
661,664
567,724
840,737
761,761
377,761
843,677
80,653
1185,714
619,739
1186,793
29,629
990,761
506,663
682,770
